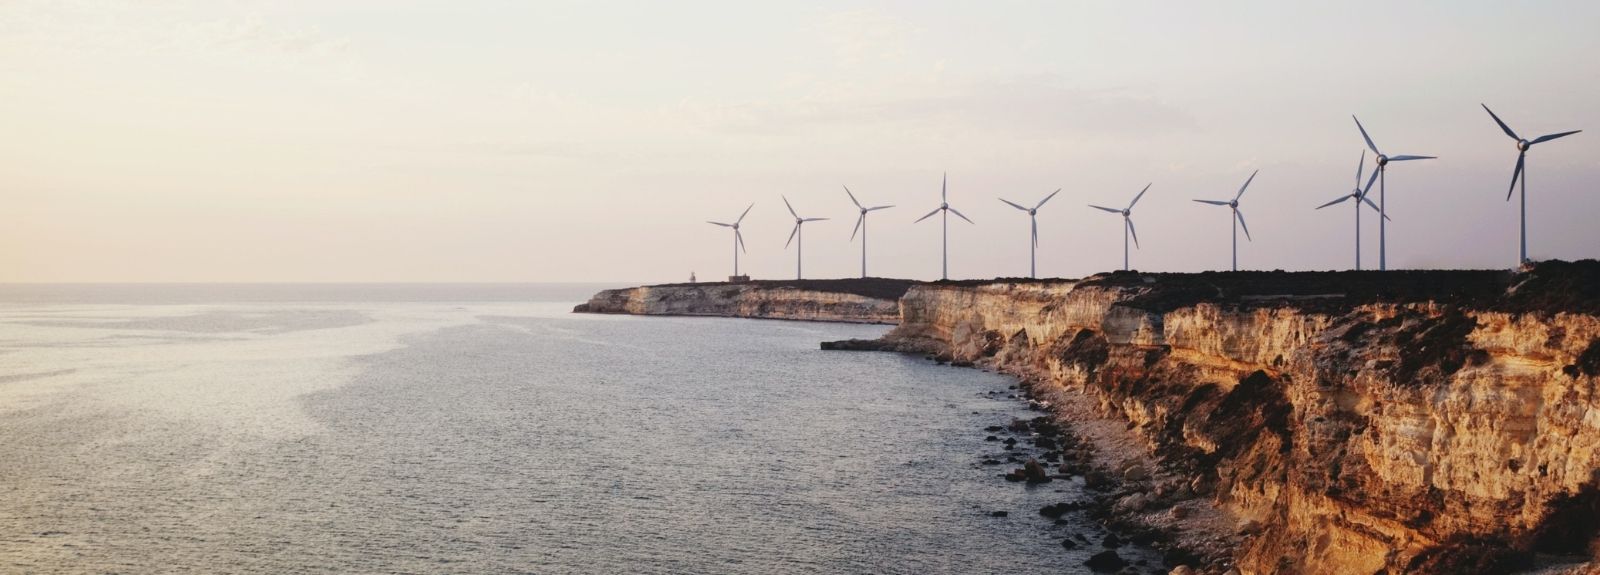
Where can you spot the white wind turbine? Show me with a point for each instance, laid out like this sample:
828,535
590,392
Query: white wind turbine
1378,175
738,239
861,226
944,206
799,248
1238,218
1033,218
1127,224
1361,198
1522,174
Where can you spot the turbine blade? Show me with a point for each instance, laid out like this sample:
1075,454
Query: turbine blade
930,214
1213,202
944,186
812,219
719,224
1141,194
1408,158
1008,202
1132,230
1370,181
876,208
852,197
791,208
859,221
1516,174
1360,167
791,236
969,220
746,212
1239,215
1375,208
1370,145
1549,137
1105,208
1246,185
1503,125
1338,201
738,237
1046,199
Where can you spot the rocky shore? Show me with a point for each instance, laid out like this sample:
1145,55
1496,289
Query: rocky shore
868,300
1270,422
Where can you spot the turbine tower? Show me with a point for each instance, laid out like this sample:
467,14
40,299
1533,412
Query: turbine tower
1361,198
738,239
1522,174
1378,175
1238,218
861,226
1033,218
799,248
1127,224
944,206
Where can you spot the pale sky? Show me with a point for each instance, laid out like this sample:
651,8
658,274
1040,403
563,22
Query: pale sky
198,141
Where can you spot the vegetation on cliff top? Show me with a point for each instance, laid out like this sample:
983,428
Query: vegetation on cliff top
881,288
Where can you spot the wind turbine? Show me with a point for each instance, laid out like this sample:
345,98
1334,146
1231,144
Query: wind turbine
1383,163
799,248
1522,174
1238,218
944,206
1127,224
1033,217
1360,197
861,226
738,239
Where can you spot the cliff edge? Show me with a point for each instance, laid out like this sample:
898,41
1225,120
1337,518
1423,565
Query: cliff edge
1339,422
867,300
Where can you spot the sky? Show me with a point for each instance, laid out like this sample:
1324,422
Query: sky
457,141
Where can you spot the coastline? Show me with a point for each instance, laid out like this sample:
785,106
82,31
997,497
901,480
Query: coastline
1320,422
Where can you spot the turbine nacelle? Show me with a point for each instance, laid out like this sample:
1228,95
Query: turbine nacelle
1383,160
944,206
1523,145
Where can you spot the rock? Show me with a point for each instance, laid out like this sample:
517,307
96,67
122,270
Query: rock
1034,472
1133,503
991,438
1018,426
1069,544
1135,472
991,462
1181,570
1105,562
1111,541
1056,510
1178,513
993,428
1010,441
999,513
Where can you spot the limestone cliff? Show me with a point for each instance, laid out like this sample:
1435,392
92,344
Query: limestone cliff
856,301
1441,422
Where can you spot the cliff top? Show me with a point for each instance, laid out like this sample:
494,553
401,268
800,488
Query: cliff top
881,288
1550,287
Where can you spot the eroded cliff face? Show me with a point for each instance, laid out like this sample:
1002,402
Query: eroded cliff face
745,300
1339,434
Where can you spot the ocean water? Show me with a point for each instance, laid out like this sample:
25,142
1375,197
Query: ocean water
485,429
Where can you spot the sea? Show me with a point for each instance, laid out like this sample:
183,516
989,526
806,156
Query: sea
410,428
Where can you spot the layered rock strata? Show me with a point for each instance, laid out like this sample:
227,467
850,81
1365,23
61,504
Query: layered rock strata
1438,422
855,301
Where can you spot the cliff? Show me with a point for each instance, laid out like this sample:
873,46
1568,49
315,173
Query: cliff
1358,422
871,300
